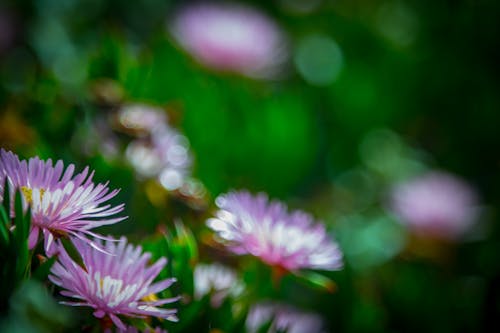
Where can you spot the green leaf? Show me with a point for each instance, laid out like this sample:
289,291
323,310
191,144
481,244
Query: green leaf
6,196
4,228
140,324
31,304
240,321
43,270
185,237
5,221
73,253
316,280
265,327
21,231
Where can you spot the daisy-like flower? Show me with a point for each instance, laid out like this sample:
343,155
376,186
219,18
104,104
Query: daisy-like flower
436,204
265,229
230,37
120,284
218,280
62,204
282,318
132,329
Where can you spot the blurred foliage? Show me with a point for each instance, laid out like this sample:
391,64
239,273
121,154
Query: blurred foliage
427,70
33,310
15,257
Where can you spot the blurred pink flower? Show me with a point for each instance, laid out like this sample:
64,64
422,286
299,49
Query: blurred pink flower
283,318
61,204
217,280
114,283
292,241
231,37
132,329
435,204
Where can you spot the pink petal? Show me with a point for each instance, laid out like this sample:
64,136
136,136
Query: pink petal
33,237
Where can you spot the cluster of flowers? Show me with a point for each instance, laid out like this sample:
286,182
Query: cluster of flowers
115,278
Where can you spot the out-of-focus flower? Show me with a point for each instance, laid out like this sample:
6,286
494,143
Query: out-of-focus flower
282,318
165,155
194,193
292,241
218,280
436,205
114,283
132,329
231,37
62,205
141,118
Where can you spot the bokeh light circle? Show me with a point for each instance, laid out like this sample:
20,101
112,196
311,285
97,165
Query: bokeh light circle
318,59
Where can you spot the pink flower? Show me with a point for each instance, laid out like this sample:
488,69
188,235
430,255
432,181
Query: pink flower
283,318
133,329
115,283
435,204
218,281
62,204
253,225
230,37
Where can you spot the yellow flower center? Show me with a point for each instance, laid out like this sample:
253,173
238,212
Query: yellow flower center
150,298
28,193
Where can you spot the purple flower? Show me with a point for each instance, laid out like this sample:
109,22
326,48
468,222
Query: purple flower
292,241
230,37
62,204
114,283
282,318
435,204
132,329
